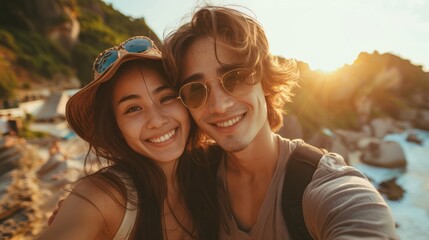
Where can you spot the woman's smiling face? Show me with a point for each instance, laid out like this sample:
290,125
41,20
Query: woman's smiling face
151,119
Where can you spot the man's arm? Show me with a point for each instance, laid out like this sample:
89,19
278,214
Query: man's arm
340,203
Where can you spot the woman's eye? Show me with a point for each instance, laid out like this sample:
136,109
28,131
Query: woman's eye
133,109
168,98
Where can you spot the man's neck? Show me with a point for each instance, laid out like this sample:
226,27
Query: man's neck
259,158
248,177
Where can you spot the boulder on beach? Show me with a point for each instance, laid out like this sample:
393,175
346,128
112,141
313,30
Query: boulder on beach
412,137
330,141
391,189
386,154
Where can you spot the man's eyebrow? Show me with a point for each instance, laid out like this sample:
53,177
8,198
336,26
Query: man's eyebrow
225,68
193,78
198,76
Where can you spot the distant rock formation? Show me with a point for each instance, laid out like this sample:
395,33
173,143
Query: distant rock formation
66,33
52,18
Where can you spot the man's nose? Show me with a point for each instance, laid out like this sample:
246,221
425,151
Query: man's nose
218,100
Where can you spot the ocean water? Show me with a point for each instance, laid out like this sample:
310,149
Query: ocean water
412,211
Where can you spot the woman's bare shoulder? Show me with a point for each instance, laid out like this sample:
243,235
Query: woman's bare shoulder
94,201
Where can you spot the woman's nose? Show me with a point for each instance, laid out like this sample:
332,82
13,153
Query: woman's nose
156,119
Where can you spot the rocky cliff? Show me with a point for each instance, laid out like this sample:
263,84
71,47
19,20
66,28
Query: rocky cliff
53,42
374,86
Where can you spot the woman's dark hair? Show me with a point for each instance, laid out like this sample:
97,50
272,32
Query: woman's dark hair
195,174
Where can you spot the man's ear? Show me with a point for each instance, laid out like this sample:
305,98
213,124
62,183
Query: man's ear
266,94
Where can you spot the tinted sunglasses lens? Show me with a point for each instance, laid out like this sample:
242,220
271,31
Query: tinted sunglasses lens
137,45
193,95
238,82
106,60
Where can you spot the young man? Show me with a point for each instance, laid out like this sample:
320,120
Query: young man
235,91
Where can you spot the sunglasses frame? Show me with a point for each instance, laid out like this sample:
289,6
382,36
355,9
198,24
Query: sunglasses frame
121,53
220,79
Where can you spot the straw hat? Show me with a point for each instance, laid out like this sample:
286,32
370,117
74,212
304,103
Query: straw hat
79,108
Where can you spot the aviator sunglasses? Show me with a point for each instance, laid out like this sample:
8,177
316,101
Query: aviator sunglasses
108,57
236,83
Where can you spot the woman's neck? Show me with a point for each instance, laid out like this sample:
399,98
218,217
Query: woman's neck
169,169
176,216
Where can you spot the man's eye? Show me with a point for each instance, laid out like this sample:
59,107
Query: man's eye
133,109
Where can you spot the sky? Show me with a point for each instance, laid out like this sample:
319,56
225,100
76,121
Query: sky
326,34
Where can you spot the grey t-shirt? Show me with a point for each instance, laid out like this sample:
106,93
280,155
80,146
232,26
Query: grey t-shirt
339,203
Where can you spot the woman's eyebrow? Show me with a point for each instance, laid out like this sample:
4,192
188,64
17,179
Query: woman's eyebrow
136,96
161,88
128,97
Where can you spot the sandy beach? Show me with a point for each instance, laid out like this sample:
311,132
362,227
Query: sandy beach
28,195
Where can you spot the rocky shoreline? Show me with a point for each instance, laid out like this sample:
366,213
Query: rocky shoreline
367,146
26,198
20,214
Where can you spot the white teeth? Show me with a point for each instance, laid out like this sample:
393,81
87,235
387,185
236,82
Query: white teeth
163,138
230,122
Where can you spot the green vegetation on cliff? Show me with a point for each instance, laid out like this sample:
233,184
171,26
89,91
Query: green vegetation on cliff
42,39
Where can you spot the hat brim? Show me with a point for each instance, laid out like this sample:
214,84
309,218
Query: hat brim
79,108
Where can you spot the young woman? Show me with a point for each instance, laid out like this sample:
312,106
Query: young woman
152,186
